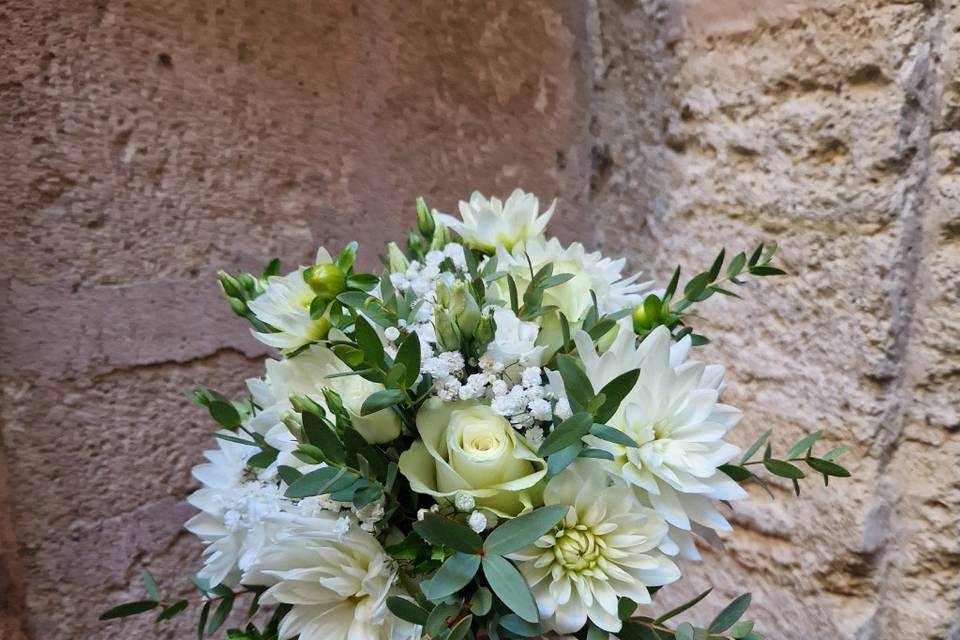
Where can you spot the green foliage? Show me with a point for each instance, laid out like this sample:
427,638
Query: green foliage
801,451
671,309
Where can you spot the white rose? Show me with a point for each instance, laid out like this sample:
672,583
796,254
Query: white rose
466,448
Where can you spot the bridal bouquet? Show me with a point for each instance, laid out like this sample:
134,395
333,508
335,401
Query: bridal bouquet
497,437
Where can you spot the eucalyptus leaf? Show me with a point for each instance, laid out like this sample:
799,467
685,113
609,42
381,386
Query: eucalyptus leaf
510,587
129,609
406,609
455,574
380,400
441,531
521,531
568,432
730,614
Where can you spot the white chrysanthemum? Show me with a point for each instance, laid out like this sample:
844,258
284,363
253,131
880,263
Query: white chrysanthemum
674,415
605,548
591,272
306,373
234,509
337,579
285,306
488,224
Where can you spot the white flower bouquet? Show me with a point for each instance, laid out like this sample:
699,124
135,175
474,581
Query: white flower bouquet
497,437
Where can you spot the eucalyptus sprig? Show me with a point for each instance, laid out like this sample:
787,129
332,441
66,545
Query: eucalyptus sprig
801,451
726,625
670,309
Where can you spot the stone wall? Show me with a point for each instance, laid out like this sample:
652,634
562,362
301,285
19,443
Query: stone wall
831,127
150,145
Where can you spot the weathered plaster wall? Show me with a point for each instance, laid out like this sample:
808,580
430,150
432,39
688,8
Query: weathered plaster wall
147,146
832,127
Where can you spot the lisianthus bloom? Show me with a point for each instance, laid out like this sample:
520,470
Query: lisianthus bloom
307,373
488,224
468,449
285,306
234,506
337,580
515,340
603,549
674,414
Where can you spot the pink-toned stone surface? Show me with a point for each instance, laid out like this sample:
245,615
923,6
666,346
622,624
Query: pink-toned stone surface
148,145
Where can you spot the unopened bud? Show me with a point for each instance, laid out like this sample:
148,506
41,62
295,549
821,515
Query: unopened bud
486,329
646,313
448,335
293,424
442,291
397,262
415,243
425,220
320,329
326,280
302,403
229,285
247,282
239,306
441,237
464,308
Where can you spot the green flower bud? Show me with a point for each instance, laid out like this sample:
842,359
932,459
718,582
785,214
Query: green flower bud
247,282
239,306
415,244
483,335
326,280
441,238
229,285
647,314
397,262
425,220
464,308
302,403
448,334
443,295
293,424
321,329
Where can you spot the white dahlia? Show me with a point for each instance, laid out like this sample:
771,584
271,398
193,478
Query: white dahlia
674,414
337,579
488,224
235,506
285,306
605,548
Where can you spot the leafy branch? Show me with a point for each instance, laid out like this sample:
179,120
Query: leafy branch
221,595
670,309
801,451
726,625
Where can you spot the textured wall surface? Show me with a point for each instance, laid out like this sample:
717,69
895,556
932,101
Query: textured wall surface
832,127
147,146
